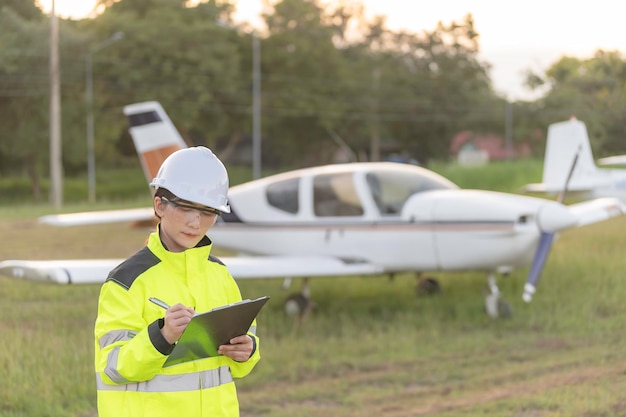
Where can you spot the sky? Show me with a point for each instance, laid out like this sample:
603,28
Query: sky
514,36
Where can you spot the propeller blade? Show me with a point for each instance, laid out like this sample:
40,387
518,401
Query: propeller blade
545,243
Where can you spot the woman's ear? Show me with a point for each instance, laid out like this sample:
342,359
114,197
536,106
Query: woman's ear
159,206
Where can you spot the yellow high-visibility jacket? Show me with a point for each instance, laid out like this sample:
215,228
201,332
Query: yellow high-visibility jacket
129,347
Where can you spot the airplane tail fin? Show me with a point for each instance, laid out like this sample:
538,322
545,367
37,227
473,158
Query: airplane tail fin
154,135
565,140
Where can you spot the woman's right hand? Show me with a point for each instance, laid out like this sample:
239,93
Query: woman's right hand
177,317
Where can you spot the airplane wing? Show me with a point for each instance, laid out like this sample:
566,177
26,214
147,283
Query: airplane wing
597,210
99,217
296,266
91,271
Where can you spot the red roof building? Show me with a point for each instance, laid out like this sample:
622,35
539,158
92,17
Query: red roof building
494,146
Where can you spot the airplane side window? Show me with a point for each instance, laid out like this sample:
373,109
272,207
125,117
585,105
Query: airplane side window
284,195
334,195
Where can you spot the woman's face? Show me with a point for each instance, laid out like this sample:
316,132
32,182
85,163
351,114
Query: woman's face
183,224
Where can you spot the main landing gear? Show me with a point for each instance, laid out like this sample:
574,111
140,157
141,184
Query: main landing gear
495,305
299,305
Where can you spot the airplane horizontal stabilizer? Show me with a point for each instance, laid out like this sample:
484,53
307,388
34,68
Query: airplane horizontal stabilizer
613,160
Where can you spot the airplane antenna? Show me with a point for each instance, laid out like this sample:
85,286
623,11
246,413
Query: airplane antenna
561,196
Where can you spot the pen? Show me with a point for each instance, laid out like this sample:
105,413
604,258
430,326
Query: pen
158,302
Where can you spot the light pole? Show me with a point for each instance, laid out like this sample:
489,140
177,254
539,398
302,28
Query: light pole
256,107
56,161
256,99
91,160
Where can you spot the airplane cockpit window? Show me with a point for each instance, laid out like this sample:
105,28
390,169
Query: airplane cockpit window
335,195
284,195
390,189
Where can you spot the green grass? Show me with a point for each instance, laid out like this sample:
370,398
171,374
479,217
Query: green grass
371,347
506,176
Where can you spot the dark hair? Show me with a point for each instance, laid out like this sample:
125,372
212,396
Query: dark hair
163,192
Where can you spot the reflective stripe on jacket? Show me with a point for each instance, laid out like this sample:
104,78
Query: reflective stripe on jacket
129,348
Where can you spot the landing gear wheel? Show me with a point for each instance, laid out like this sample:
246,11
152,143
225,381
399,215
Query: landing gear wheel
504,309
296,305
496,307
428,286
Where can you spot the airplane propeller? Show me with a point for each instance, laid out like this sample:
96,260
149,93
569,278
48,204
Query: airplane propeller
545,243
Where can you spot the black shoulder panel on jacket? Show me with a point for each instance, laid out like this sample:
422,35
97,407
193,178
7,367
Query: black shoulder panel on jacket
126,272
216,260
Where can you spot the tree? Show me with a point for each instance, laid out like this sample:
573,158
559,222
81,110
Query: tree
426,86
24,92
178,55
26,10
592,90
304,82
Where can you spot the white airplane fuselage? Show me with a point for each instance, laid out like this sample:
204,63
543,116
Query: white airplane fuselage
438,229
394,246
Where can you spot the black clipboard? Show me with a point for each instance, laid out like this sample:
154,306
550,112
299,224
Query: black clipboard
207,331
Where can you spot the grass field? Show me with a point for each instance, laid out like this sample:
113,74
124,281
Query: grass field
371,347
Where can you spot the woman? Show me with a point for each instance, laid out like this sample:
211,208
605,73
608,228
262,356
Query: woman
133,339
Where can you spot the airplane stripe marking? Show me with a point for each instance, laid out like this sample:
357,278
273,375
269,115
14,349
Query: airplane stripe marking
152,159
435,226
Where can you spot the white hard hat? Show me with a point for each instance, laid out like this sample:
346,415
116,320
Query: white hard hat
195,174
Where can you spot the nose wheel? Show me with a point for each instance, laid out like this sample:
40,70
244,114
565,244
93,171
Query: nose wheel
495,306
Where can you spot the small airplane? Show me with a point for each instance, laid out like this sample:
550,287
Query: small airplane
369,218
587,181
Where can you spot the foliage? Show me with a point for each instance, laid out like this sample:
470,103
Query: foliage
330,78
24,9
592,90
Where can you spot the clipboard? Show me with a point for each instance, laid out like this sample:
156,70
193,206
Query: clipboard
207,331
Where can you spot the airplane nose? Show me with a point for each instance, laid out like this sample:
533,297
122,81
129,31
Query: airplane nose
555,217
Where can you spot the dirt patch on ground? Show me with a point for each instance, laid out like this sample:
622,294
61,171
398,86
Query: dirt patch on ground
374,393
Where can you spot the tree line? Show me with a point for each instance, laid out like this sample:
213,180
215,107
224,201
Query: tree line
329,76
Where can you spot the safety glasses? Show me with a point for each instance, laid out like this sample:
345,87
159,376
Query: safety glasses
186,212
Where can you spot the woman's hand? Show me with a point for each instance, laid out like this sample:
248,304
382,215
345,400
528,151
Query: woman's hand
177,317
240,348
